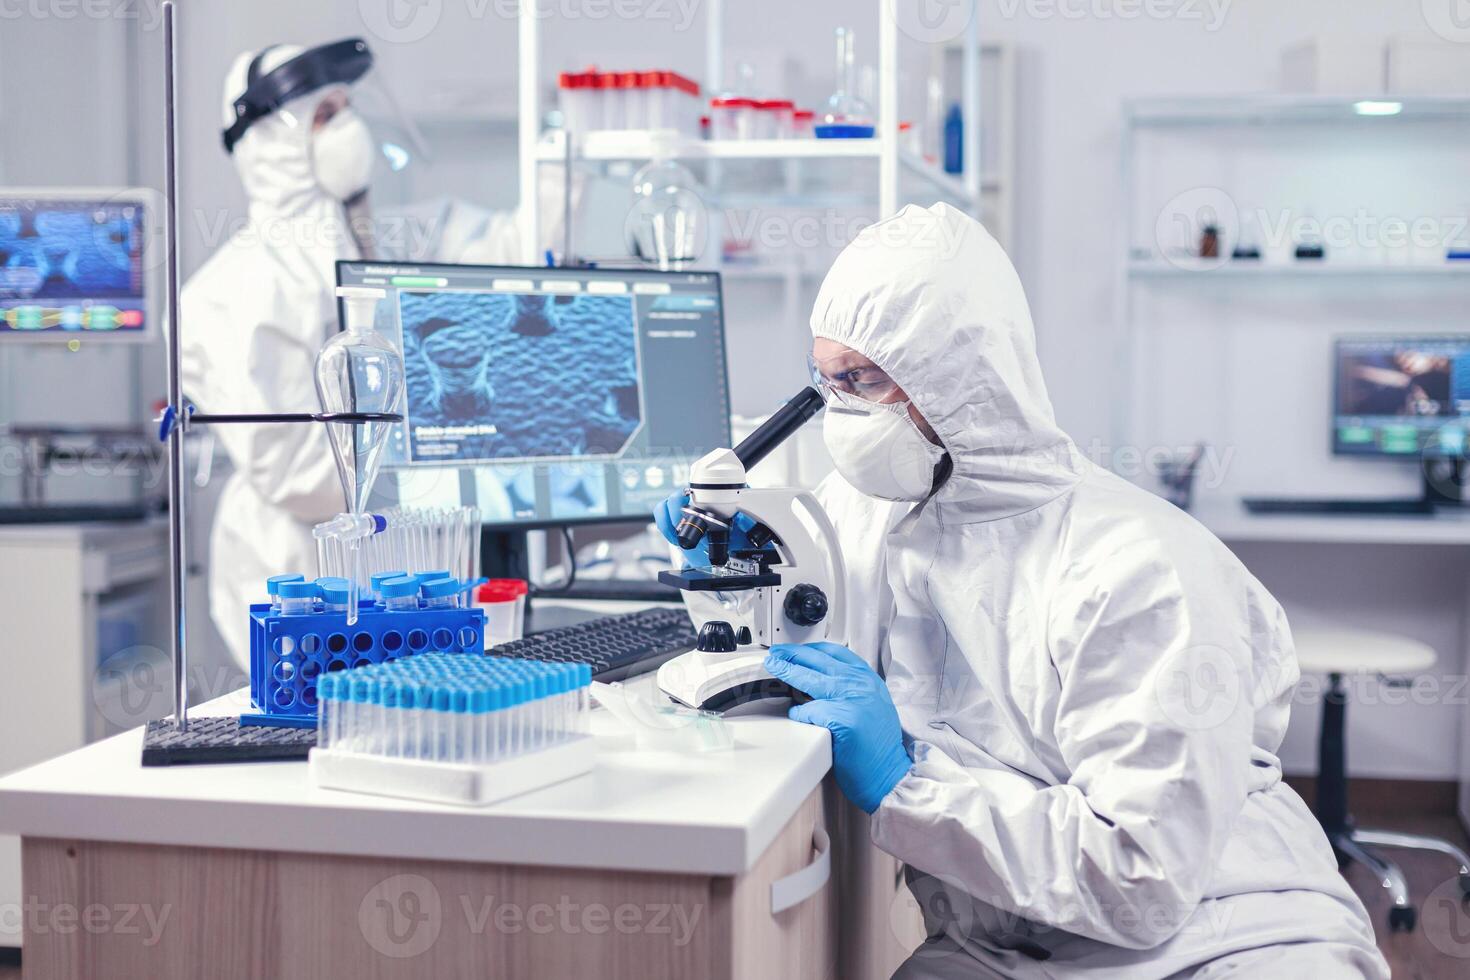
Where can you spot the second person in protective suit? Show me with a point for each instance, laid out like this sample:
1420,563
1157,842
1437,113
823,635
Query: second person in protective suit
1063,697
260,308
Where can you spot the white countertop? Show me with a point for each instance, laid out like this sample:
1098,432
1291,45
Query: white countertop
1232,522
29,534
699,813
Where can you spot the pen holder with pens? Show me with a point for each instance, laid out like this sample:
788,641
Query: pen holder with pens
1177,476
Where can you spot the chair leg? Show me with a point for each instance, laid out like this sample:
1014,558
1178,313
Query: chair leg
1332,809
1401,917
1418,842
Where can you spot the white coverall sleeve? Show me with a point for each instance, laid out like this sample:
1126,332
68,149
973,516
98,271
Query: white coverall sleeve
1154,723
290,466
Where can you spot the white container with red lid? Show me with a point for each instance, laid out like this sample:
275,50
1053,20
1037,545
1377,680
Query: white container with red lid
629,100
732,117
774,119
504,602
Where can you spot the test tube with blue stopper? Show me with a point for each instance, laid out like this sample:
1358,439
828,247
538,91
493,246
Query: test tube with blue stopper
400,593
297,598
440,593
377,580
273,588
335,593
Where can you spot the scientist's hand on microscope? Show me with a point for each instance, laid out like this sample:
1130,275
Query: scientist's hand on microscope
851,701
668,514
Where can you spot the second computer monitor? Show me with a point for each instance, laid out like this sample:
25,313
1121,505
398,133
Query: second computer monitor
1402,396
78,264
550,396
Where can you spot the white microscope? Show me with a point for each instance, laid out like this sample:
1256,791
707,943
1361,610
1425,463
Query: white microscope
794,569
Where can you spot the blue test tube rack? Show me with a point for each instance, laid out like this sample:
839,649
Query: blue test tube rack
288,653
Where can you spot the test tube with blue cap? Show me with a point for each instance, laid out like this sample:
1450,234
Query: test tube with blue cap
400,594
440,593
454,708
297,598
377,580
273,588
335,594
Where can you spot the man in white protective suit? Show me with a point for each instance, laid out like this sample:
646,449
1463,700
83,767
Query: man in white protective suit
1064,696
259,309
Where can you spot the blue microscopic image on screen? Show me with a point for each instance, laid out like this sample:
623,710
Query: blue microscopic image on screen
496,376
578,491
71,265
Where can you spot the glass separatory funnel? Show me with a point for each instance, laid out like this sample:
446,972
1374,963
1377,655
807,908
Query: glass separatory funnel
359,371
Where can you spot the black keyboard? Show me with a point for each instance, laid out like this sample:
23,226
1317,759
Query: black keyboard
1300,505
615,646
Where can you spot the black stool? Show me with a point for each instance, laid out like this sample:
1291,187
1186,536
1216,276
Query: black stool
1337,653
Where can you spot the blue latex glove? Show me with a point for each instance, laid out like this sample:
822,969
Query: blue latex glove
851,701
668,514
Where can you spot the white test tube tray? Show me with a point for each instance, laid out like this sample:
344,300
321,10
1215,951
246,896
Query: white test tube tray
448,782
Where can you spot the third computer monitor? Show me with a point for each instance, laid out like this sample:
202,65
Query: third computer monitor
550,396
77,264
1402,396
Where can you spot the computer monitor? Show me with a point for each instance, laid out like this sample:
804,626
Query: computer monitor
550,396
77,264
1402,397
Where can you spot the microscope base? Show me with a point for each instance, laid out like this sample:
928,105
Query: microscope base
723,681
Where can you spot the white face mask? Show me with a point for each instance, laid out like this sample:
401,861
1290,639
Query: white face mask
879,450
342,155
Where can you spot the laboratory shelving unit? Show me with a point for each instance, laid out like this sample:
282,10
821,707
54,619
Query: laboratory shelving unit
967,190
1208,117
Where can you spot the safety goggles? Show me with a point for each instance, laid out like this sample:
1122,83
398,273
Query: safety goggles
866,383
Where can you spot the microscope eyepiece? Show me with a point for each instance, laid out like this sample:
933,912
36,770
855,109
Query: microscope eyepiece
755,447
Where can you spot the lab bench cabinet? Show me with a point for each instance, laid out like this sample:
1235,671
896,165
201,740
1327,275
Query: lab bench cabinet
70,596
248,914
655,864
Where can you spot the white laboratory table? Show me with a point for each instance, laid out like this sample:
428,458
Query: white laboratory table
656,864
1230,521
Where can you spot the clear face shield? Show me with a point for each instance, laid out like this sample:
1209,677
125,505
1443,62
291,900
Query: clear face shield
356,113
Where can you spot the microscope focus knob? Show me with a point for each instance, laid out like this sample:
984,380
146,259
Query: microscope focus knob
806,605
716,636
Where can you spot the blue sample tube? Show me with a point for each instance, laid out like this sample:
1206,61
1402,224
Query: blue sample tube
377,583
273,588
440,593
334,592
400,593
298,598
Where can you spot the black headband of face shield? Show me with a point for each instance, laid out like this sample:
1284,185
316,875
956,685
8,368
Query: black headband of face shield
338,63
